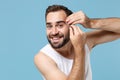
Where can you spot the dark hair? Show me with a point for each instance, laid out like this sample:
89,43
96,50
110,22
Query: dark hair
54,8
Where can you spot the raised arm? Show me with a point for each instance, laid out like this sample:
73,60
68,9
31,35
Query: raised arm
105,29
108,24
78,40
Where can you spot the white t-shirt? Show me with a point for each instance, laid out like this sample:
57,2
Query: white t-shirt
65,64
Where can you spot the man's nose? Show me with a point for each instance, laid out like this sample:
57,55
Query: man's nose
54,30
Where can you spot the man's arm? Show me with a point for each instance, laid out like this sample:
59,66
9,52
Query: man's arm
100,36
49,68
107,24
107,29
78,40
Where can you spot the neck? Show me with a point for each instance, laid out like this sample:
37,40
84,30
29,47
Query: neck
66,51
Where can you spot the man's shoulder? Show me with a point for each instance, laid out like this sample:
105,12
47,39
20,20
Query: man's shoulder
42,62
46,53
41,57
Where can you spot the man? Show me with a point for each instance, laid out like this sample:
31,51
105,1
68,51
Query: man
67,57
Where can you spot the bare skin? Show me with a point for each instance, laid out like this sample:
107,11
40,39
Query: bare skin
74,49
107,29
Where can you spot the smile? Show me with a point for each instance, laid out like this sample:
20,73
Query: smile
55,39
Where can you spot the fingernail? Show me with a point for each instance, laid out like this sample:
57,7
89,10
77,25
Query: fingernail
67,20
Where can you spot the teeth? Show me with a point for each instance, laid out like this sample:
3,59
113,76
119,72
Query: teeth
55,38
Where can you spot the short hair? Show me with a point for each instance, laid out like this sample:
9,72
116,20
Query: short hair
54,8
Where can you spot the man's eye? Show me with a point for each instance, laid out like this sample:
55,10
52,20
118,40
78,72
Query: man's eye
49,26
60,25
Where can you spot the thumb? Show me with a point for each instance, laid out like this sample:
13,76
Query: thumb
71,32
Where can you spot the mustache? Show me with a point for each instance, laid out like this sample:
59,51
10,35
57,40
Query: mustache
56,35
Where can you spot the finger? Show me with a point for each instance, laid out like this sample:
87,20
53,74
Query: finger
82,33
71,32
76,22
73,21
75,29
69,21
76,18
69,17
79,30
72,18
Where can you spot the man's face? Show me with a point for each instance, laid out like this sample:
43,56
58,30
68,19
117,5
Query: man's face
57,29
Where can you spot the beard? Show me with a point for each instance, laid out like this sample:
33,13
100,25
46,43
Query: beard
61,43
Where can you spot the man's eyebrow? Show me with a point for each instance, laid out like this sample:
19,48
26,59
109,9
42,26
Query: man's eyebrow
60,22
49,23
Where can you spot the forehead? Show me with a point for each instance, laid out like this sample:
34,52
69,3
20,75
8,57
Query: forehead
56,16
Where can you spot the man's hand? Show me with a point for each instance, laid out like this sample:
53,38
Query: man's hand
78,39
77,36
78,18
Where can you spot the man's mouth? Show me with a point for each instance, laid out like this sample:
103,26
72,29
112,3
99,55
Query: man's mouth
55,39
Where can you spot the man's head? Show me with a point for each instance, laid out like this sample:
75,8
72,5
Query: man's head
57,29
54,8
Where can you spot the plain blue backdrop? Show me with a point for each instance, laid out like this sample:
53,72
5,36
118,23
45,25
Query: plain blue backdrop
22,35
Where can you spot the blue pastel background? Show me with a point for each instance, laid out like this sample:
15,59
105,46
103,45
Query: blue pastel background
22,34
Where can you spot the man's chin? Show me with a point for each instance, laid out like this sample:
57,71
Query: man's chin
56,46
